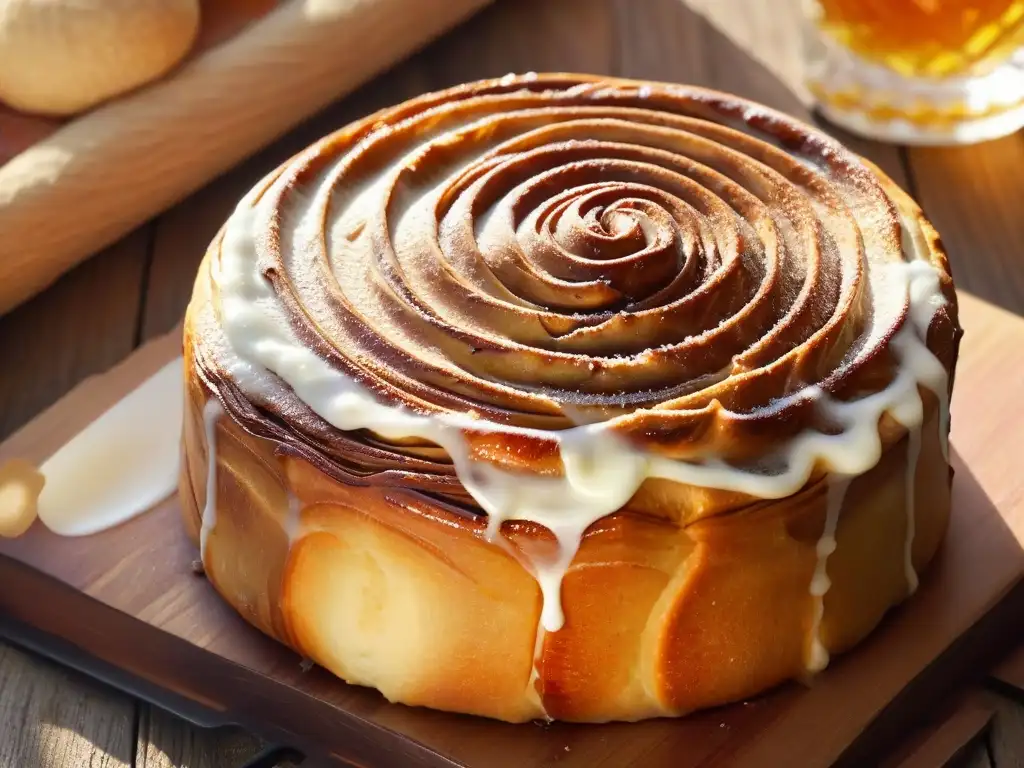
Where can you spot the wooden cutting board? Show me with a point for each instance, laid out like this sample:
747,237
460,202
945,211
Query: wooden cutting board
126,605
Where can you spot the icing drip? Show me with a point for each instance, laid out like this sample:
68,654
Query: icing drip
913,453
820,582
211,412
925,299
531,686
932,375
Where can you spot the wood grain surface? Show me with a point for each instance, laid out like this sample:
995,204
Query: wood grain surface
138,288
49,716
64,196
955,733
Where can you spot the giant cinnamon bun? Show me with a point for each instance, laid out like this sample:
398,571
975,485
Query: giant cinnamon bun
569,397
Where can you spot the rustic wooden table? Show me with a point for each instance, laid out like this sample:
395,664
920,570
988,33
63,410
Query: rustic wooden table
137,289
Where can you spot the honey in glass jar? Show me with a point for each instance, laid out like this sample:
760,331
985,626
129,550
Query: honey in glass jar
918,71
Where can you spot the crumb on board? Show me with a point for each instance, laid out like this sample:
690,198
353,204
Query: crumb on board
197,568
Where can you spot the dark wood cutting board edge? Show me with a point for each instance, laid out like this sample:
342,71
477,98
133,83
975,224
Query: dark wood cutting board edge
962,663
48,617
88,603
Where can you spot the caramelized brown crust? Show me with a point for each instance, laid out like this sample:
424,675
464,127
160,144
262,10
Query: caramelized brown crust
549,250
541,251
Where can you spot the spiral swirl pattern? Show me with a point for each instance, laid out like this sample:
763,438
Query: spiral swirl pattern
541,252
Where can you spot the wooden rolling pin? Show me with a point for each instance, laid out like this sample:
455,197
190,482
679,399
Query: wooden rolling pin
104,173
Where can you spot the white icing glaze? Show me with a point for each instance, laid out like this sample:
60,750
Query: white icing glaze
820,582
531,685
601,473
212,411
119,466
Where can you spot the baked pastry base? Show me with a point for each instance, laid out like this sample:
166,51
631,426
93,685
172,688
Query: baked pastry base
391,589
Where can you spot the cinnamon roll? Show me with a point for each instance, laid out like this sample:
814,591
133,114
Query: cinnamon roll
570,397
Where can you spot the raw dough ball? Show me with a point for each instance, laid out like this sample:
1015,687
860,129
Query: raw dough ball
59,57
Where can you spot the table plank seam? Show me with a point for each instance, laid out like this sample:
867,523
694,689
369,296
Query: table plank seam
903,153
136,729
144,287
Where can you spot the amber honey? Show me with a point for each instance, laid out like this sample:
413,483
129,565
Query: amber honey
928,38
934,71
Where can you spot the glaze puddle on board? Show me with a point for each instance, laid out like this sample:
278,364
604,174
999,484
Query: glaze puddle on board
119,466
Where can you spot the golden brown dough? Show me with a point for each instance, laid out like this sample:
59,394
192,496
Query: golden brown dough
61,57
367,552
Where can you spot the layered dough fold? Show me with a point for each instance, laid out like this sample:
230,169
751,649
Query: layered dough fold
566,397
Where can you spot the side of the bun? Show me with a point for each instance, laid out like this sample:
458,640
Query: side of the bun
390,589
562,397
61,57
